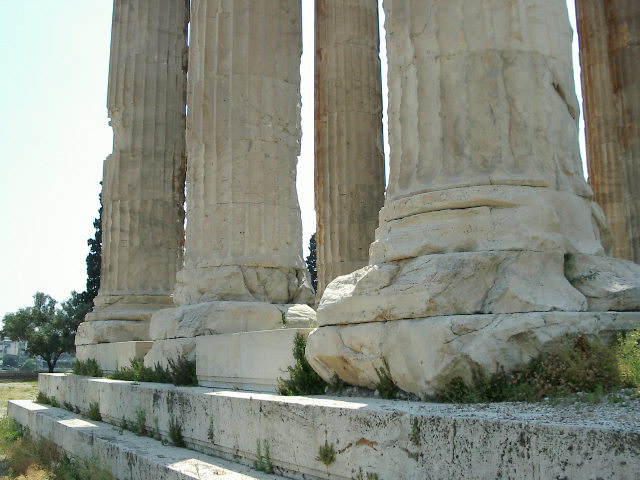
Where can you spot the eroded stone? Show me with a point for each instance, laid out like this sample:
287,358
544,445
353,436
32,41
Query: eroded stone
423,354
451,284
607,283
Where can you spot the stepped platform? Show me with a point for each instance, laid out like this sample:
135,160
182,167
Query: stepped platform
127,455
358,438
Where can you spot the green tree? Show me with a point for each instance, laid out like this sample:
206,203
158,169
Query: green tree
48,330
10,361
311,262
29,365
93,259
76,307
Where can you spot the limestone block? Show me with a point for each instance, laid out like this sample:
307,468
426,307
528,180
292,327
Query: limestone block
424,353
247,361
478,218
451,284
110,356
486,218
127,307
243,283
228,317
607,283
111,331
582,224
163,350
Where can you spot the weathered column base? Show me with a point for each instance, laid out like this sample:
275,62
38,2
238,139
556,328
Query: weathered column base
111,356
488,282
123,318
435,317
127,307
423,354
243,345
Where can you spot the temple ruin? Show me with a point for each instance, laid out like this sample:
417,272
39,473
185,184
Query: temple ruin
487,247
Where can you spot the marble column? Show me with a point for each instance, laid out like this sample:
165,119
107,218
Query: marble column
489,245
349,158
143,183
244,236
243,268
609,33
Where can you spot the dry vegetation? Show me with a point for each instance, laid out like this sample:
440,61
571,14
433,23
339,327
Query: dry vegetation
24,458
14,390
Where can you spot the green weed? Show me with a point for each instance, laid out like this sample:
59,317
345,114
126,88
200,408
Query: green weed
326,454
141,420
386,386
576,365
175,433
43,399
94,412
182,371
303,380
87,368
262,462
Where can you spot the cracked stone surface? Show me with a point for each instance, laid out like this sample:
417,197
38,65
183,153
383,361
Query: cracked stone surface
244,240
422,354
486,199
243,269
143,180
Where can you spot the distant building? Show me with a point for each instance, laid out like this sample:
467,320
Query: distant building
17,348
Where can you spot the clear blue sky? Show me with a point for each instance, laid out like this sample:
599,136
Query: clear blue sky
54,135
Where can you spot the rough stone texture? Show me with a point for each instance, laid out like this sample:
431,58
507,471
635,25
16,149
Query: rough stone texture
171,348
113,355
424,353
607,284
126,454
100,331
228,317
243,263
248,361
485,198
244,240
461,283
487,218
610,62
393,439
143,182
481,96
349,161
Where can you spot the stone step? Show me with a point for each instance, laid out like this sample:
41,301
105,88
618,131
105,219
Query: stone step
127,455
347,438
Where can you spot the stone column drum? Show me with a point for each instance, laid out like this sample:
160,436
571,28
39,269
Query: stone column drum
610,60
488,248
143,183
349,158
243,267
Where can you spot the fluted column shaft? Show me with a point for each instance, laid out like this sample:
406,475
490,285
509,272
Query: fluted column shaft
244,235
143,184
349,159
609,33
481,95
